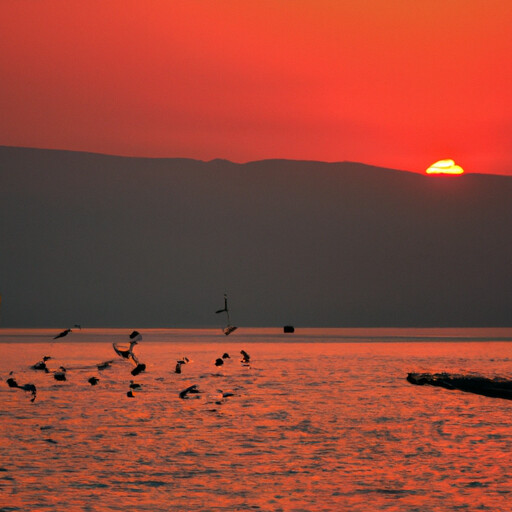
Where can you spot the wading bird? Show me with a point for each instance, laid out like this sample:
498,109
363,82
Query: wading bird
31,388
60,374
41,365
245,357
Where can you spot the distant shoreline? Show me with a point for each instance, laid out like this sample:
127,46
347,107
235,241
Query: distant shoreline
268,334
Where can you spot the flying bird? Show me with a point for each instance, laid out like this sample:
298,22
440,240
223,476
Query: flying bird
127,352
62,334
222,396
136,335
225,308
191,389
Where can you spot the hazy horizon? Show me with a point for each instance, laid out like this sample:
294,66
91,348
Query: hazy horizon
244,162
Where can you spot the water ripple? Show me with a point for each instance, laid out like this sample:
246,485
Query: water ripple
316,427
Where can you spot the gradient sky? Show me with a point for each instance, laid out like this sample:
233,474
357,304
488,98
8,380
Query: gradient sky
394,83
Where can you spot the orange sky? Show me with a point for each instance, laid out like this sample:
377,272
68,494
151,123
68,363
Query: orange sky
387,82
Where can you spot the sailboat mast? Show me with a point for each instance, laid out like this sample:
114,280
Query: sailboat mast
229,328
226,307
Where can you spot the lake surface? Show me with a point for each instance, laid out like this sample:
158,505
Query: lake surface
322,420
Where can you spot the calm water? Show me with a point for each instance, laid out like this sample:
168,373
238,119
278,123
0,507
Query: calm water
323,420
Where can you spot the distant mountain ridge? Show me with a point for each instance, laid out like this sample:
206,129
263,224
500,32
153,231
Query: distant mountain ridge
122,241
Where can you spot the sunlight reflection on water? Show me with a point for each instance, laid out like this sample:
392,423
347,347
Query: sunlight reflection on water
311,427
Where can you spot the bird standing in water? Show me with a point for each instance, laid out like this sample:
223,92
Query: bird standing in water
41,365
104,365
60,374
93,381
31,388
180,363
245,357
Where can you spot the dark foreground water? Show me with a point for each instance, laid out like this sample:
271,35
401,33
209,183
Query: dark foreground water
322,420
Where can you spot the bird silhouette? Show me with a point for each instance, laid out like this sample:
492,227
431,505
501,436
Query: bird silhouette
62,334
191,389
31,388
221,398
41,365
180,363
141,367
60,374
126,352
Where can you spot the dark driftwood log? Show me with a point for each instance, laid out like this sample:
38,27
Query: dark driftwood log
495,388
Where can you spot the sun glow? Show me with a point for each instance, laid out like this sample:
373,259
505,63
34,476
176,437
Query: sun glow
445,167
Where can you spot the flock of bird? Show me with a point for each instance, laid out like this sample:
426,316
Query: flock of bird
126,352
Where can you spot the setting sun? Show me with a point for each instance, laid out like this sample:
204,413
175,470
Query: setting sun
445,167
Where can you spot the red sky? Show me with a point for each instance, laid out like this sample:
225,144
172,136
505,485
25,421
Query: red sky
394,83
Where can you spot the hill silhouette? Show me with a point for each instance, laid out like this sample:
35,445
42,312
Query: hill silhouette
117,241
